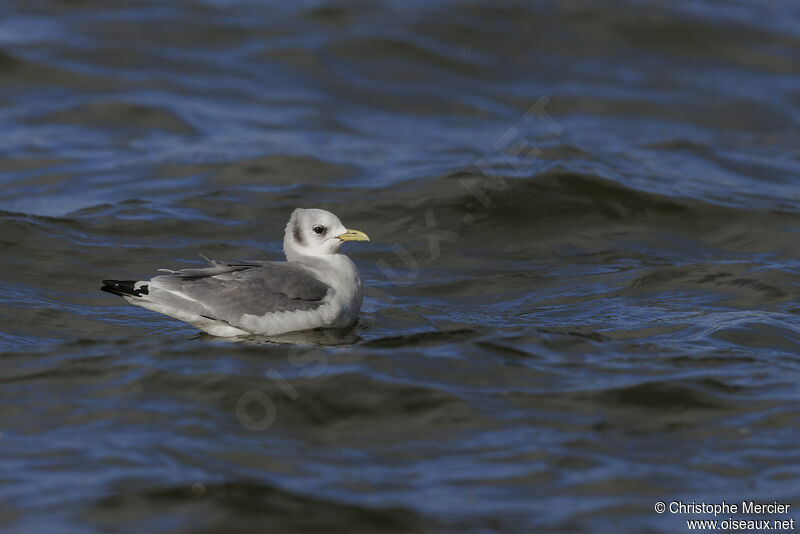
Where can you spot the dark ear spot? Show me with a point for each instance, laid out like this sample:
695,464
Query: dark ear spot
298,235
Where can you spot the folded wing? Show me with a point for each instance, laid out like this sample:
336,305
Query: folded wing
227,291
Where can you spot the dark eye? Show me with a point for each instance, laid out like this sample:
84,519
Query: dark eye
319,229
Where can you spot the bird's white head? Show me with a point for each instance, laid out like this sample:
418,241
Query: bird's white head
315,232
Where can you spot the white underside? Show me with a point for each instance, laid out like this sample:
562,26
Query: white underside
270,324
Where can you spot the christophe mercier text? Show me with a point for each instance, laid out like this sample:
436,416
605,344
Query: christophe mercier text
746,507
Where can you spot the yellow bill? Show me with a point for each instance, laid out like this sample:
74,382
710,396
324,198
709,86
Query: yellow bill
353,235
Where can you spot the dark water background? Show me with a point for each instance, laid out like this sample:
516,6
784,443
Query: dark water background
583,273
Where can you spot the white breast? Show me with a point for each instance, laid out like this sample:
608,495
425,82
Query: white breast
344,302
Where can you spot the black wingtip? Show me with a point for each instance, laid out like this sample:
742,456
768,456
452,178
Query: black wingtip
123,288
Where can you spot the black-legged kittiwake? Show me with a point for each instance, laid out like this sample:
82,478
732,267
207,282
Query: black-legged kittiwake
316,287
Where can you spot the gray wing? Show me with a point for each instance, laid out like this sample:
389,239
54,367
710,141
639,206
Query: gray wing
228,290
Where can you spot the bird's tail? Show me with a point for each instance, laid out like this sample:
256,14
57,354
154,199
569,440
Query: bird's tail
124,288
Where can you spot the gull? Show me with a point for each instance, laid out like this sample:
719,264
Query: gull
316,287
